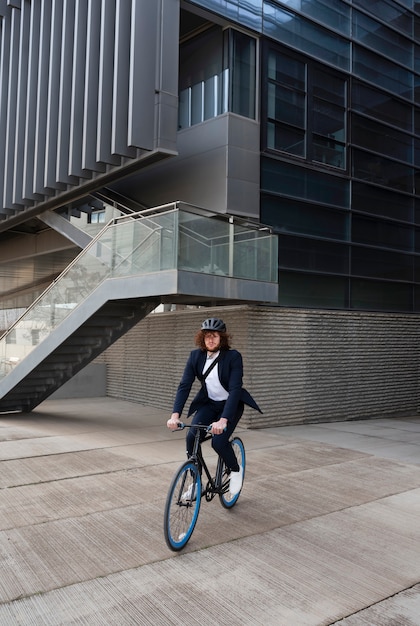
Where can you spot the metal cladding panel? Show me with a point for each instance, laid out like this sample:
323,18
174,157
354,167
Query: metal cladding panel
79,94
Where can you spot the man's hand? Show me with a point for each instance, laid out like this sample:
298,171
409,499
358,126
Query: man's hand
173,422
218,427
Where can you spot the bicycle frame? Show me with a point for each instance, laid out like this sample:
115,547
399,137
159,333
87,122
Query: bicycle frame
214,485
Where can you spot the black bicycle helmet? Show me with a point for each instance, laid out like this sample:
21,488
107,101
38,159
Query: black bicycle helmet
213,323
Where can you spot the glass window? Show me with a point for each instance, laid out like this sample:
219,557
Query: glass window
329,86
382,39
286,105
310,290
291,216
305,110
382,233
382,72
313,255
328,151
243,73
217,73
380,105
286,139
381,264
383,202
386,296
417,55
299,33
380,138
333,13
246,12
417,89
97,217
382,171
391,13
298,182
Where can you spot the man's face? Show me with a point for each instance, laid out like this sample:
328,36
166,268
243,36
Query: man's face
212,340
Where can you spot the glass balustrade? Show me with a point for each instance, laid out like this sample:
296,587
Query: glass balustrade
174,237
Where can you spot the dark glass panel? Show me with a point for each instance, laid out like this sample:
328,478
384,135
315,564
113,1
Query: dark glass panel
328,120
333,13
285,138
417,269
382,233
243,74
313,255
417,183
382,39
416,88
291,180
329,87
374,296
417,211
417,55
299,33
380,138
286,105
286,70
381,264
247,12
417,120
417,240
382,171
381,202
310,290
307,219
390,12
375,69
380,105
328,151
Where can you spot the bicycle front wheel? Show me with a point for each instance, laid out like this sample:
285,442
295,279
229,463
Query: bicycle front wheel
182,506
226,498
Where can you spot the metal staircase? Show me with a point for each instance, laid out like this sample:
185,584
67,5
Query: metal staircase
174,253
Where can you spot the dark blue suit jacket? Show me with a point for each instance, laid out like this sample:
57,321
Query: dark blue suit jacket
230,370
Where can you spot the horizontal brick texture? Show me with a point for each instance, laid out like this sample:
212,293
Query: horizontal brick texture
301,366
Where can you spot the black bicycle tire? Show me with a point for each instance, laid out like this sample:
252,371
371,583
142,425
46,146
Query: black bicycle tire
226,499
180,518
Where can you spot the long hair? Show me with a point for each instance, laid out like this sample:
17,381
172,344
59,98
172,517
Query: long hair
225,339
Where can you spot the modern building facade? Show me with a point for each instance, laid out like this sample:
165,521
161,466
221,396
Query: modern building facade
301,115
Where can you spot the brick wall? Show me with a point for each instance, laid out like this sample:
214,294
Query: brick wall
300,365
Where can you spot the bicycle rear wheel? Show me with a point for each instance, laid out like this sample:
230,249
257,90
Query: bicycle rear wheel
226,498
182,506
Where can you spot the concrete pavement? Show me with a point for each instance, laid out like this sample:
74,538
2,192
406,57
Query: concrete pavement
326,530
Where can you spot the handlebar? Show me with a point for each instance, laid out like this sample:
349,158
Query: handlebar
182,425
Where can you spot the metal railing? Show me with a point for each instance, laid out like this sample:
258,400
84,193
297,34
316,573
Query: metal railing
170,237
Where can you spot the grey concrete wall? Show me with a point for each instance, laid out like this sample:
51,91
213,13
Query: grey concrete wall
223,177
300,365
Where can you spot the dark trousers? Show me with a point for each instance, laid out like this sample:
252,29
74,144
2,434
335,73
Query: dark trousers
207,414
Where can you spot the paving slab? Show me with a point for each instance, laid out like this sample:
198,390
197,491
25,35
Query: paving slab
324,532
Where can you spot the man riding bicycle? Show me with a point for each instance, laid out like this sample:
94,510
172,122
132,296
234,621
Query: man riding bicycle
221,398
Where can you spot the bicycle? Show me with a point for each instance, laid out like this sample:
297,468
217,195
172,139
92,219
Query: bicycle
186,490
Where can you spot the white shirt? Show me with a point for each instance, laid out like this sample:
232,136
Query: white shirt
214,388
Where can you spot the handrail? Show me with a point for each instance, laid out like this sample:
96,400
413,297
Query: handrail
172,236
